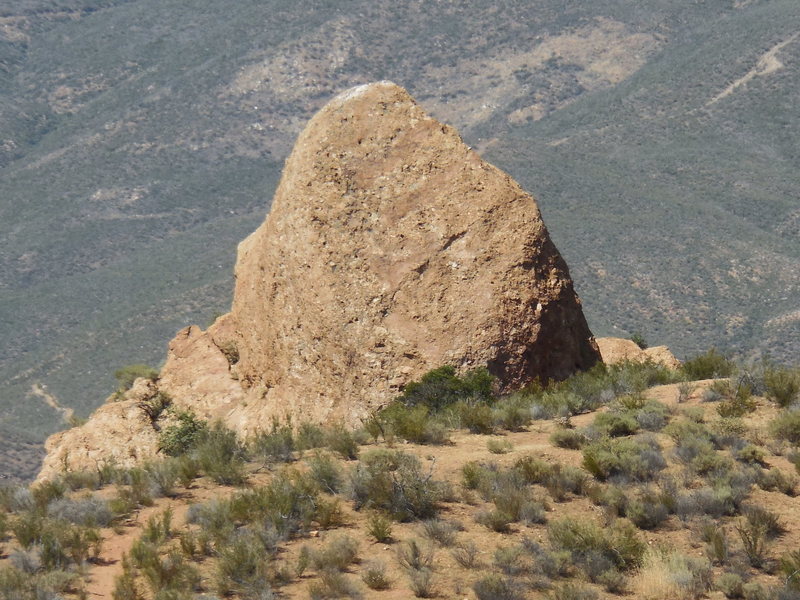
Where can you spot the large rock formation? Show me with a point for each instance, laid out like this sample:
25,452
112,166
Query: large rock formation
391,248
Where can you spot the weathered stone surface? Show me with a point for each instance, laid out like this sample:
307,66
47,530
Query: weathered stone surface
391,248
119,432
616,350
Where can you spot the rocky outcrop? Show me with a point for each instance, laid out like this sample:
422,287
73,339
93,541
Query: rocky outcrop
391,248
119,433
616,350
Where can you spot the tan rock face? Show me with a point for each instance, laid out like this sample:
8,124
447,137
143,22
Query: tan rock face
391,248
616,350
119,433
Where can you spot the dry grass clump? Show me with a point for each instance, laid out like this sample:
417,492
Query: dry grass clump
671,576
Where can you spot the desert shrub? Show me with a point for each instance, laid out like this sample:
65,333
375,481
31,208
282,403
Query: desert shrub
709,365
782,385
685,390
309,436
215,518
242,565
717,548
380,527
565,480
672,575
613,581
786,426
652,416
415,424
776,480
338,554
89,511
421,583
17,585
763,518
441,387
221,456
341,440
647,511
332,584
511,560
394,482
441,532
497,587
753,536
790,568
477,417
496,520
512,413
547,563
638,339
620,545
737,400
731,585
128,374
158,528
573,591
374,576
501,446
632,459
163,476
571,439
533,470
47,491
466,555
78,480
276,445
286,504
325,472
751,454
413,556
616,424
182,436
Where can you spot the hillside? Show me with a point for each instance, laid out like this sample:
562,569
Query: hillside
140,140
629,482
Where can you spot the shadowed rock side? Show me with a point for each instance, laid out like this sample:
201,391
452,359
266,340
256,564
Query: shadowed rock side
391,248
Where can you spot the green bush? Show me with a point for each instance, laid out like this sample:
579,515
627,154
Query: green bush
221,456
477,417
731,585
181,437
626,458
326,473
414,424
616,424
786,426
380,527
374,576
497,587
709,365
277,445
499,446
571,439
309,436
341,440
782,385
339,553
441,387
620,545
395,483
242,566
127,375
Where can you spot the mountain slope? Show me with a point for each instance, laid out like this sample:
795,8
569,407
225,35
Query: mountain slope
140,140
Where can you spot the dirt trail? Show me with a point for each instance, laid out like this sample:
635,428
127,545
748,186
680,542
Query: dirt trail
51,401
767,63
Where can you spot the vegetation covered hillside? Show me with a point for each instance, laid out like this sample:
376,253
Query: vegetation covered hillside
141,140
626,481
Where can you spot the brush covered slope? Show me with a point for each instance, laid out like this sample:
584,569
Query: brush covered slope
391,249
